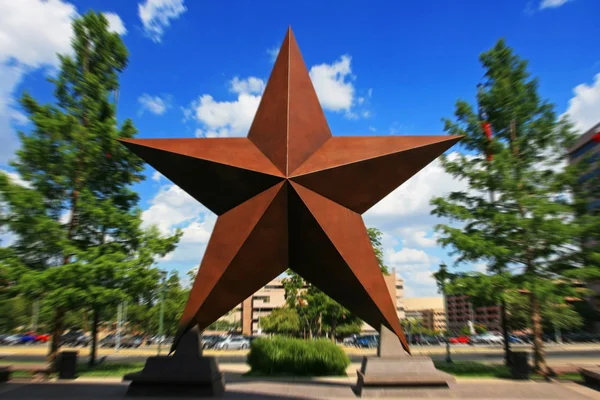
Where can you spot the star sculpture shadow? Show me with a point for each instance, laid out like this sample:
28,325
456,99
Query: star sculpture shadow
290,195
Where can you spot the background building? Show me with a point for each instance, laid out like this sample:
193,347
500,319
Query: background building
395,285
272,296
588,145
461,311
430,310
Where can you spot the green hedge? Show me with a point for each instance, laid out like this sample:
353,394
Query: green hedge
287,356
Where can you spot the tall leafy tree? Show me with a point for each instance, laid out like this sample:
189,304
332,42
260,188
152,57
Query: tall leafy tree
78,228
514,216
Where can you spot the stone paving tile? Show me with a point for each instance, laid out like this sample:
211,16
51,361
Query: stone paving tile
292,389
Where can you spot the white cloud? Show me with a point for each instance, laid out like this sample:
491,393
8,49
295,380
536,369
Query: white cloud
552,3
408,256
173,208
170,208
156,176
16,179
225,118
115,23
251,85
155,104
331,83
31,33
584,107
10,76
156,16
273,53
416,268
233,118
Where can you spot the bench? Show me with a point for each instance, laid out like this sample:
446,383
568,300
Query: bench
591,375
38,371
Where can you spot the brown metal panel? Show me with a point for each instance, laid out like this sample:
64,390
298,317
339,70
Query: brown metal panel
262,257
361,184
235,152
289,124
226,166
308,128
231,231
269,127
347,233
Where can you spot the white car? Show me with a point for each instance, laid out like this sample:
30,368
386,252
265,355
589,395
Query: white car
487,338
233,343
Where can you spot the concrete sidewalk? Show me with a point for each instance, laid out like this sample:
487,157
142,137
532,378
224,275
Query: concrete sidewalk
241,387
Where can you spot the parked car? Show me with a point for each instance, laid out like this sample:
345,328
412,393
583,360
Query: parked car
349,341
487,338
209,341
75,338
133,341
367,341
512,339
463,339
13,339
580,337
425,340
42,338
233,343
27,338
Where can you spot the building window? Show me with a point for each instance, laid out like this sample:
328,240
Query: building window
264,299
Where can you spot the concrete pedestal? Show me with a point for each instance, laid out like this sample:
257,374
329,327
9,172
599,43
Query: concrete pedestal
186,373
393,367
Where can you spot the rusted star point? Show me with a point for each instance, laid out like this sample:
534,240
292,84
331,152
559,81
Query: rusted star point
290,195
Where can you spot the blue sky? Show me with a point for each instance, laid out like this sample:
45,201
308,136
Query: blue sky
197,68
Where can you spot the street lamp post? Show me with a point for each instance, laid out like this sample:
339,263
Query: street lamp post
441,277
162,309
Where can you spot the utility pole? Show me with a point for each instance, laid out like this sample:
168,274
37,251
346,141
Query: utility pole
118,333
162,309
35,313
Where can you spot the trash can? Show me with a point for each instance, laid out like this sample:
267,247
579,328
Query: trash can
519,366
67,365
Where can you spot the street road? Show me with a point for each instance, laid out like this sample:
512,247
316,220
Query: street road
482,355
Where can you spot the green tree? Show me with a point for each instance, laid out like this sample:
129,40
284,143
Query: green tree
284,321
514,215
78,172
376,238
174,303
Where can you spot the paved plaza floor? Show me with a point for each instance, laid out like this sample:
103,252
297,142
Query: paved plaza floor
241,387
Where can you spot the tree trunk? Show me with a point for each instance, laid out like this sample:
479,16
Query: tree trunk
94,344
57,330
333,328
539,354
320,332
507,357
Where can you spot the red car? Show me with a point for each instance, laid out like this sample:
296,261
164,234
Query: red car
460,340
43,338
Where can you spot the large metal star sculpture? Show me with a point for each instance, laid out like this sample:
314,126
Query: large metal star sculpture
290,195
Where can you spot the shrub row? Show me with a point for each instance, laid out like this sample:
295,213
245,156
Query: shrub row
287,356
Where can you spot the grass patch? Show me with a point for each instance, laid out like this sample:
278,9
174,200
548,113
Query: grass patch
109,369
281,356
472,369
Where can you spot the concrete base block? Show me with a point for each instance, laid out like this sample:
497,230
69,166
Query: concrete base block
379,372
186,373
